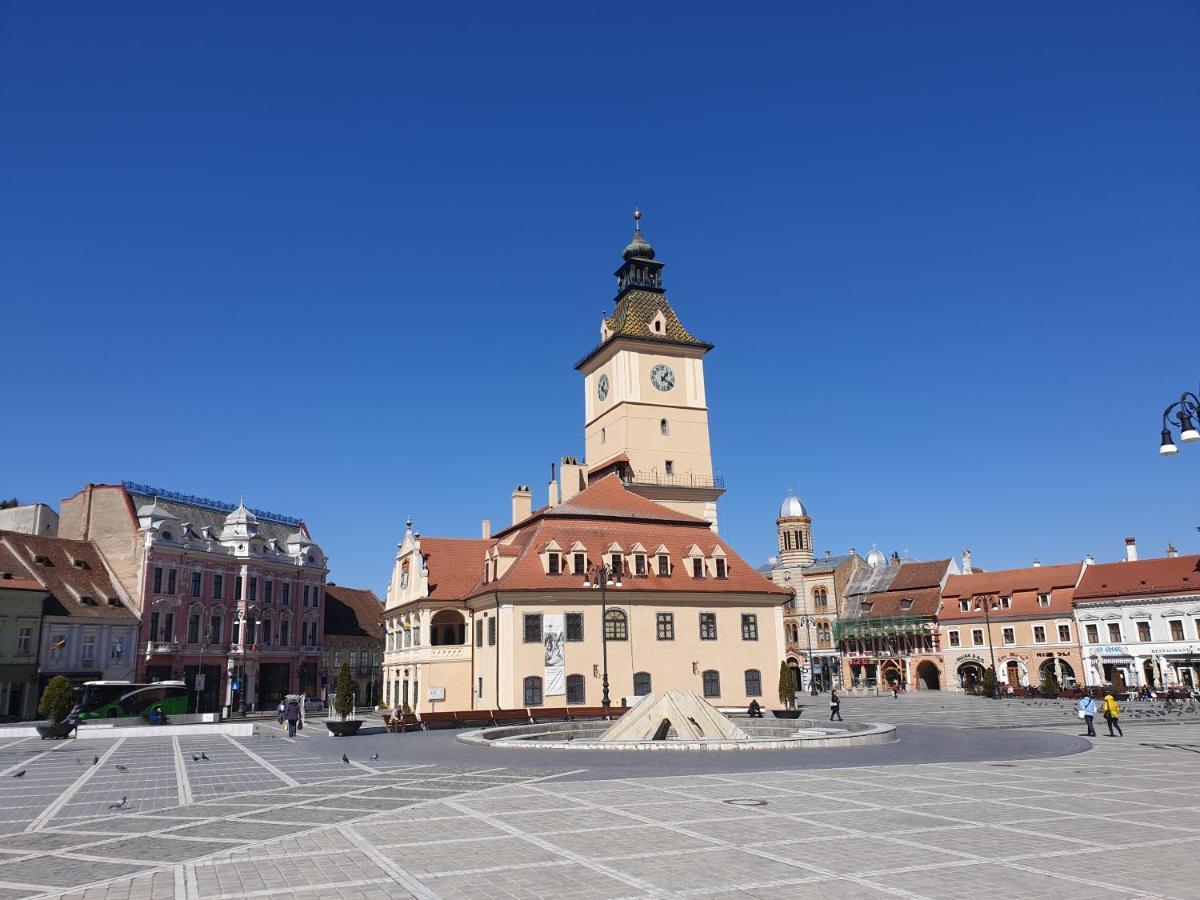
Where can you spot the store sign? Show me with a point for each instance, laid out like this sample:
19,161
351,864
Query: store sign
970,657
437,693
1113,650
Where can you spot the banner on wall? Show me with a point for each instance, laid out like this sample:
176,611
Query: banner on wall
554,641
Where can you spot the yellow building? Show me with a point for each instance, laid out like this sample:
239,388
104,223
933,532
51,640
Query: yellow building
506,621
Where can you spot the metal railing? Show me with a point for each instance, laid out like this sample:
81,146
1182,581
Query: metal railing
658,479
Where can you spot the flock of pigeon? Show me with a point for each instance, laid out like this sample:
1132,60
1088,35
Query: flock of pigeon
124,802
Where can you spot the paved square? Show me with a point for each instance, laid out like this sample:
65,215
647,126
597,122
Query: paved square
273,818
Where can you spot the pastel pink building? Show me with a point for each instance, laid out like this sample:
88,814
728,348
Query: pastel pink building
230,594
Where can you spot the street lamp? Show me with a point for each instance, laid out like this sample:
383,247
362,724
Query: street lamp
808,621
601,577
1186,417
990,605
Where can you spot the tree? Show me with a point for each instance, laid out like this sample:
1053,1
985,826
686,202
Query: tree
787,686
989,681
57,700
343,693
1050,685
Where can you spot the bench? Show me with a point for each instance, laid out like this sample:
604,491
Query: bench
397,725
438,720
550,714
510,717
476,717
594,712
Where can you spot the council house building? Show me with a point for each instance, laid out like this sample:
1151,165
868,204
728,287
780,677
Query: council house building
527,617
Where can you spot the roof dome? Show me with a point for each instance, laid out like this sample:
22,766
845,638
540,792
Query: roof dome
876,558
639,247
791,507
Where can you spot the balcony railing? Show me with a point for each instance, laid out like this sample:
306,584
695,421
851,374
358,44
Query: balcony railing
658,479
154,647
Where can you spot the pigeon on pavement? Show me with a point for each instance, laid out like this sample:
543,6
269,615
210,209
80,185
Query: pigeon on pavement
121,768
203,757
375,756
95,760
195,758
20,774
345,759
120,805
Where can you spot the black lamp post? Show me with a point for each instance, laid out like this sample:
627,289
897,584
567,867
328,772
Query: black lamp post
601,577
807,621
990,605
1184,414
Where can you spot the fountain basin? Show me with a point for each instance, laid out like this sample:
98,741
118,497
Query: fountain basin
793,734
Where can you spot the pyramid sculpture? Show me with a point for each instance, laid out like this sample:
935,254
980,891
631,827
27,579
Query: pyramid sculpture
689,715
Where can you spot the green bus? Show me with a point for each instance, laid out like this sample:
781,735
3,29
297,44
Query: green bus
126,700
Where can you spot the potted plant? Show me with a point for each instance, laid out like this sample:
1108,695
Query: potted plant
343,705
989,683
56,704
787,694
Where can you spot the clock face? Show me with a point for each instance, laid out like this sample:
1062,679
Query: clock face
602,387
662,377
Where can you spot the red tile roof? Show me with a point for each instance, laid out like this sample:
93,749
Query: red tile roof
1023,585
352,612
607,513
70,571
454,565
920,582
1162,576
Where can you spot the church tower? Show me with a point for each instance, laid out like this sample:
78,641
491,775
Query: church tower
645,413
795,533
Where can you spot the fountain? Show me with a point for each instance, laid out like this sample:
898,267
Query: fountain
679,720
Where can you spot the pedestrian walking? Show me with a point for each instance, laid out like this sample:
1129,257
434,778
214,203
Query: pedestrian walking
1112,713
895,690
835,707
1087,712
292,714
279,710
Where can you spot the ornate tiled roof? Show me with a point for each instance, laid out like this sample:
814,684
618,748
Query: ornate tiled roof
635,314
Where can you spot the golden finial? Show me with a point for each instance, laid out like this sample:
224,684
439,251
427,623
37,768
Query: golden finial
637,217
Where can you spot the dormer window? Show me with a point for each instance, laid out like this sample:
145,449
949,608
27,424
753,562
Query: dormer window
639,564
1043,599
721,573
867,605
579,564
964,605
1006,602
906,603
552,563
664,565
80,563
114,601
617,563
697,567
43,561
87,601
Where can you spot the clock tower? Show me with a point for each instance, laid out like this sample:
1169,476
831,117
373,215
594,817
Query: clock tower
645,413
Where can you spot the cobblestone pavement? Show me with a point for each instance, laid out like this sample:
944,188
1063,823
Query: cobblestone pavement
1120,820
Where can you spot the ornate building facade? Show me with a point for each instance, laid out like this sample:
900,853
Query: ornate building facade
225,593
817,586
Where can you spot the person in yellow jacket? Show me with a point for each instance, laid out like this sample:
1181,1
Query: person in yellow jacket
1112,713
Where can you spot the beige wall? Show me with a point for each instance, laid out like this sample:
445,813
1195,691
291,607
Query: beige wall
1023,649
102,515
668,662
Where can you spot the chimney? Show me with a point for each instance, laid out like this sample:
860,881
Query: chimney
1171,551
1130,550
1037,563
553,491
487,529
1089,560
853,552
522,503
966,566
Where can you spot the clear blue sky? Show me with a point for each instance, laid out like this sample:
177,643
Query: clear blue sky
344,257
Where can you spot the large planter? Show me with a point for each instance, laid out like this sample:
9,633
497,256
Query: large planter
55,732
786,713
344,729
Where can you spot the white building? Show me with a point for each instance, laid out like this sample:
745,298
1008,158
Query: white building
1139,621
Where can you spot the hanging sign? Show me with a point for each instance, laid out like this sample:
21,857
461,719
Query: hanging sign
554,641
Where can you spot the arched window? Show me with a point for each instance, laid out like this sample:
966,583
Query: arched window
576,689
533,691
664,427
753,683
616,625
641,684
712,683
821,597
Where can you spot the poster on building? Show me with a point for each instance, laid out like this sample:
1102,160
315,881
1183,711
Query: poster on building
554,640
